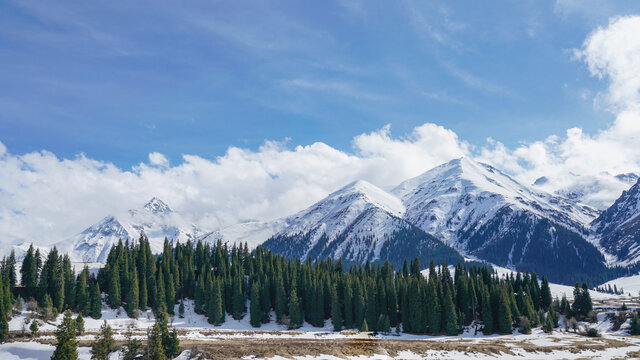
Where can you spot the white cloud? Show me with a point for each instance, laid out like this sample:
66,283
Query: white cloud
613,52
44,198
156,158
578,159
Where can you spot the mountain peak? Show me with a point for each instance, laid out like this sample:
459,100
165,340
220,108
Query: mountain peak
371,194
157,206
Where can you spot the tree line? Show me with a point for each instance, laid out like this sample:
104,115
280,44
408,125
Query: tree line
224,281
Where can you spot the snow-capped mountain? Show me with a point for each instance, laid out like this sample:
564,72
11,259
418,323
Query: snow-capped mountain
357,223
156,220
485,213
619,227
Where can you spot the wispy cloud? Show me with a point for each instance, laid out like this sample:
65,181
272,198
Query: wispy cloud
445,99
476,82
341,88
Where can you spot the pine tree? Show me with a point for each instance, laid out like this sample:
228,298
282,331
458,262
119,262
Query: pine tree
548,324
67,346
280,305
635,325
133,296
487,313
131,345
181,309
114,297
215,310
450,320
104,344
255,314
34,328
295,311
80,324
4,326
238,301
364,327
96,301
154,349
545,293
336,312
504,313
383,324
83,303
434,316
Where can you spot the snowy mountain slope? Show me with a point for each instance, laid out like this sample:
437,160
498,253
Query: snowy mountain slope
484,213
357,223
155,219
619,227
462,193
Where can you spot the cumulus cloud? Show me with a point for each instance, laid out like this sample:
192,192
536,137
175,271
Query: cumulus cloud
578,160
156,158
44,198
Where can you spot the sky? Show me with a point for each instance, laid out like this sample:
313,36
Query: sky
232,111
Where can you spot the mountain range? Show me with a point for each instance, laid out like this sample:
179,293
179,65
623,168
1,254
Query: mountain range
460,209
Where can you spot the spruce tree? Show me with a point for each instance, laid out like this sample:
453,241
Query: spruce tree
434,316
487,313
255,314
80,324
83,303
504,313
4,326
295,311
34,328
280,305
96,301
181,309
66,346
133,296
114,298
215,310
336,312
132,345
238,301
545,293
154,349
548,324
104,343
449,317
635,324
364,327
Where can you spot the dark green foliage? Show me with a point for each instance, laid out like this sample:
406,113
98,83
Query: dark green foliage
132,345
295,311
66,346
545,293
255,314
34,328
4,326
80,324
96,301
336,312
104,343
154,349
635,324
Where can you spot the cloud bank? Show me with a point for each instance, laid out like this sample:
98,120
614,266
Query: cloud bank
44,198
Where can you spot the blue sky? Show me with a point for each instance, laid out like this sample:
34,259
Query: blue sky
117,80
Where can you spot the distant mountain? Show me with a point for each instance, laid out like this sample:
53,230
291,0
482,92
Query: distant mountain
618,227
485,213
155,219
357,223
